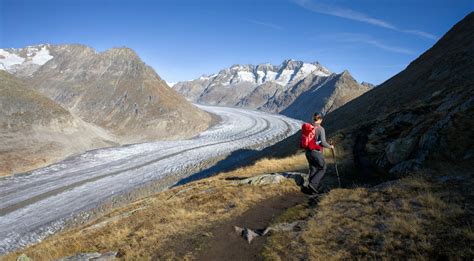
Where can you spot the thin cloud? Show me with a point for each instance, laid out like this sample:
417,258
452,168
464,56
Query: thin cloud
347,13
420,33
269,25
367,39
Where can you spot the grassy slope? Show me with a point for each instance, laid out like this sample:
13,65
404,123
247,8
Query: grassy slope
149,228
422,216
417,217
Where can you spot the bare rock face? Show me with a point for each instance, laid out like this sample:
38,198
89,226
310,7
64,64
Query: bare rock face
248,86
399,150
324,95
274,88
59,100
423,115
117,91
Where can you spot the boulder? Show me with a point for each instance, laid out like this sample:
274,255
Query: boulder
264,179
90,257
246,233
399,150
405,167
275,178
249,234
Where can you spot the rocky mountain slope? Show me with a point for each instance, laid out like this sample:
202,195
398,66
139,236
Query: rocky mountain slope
273,88
316,94
114,90
421,113
92,99
34,130
236,82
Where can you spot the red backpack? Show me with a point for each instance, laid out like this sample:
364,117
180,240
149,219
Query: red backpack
308,139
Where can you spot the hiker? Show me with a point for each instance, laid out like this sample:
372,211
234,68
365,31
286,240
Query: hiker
314,154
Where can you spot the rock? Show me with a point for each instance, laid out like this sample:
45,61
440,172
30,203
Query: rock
246,233
404,167
468,154
428,140
406,118
296,225
435,94
445,179
264,179
90,256
249,234
275,178
23,257
301,179
440,73
448,103
382,161
399,150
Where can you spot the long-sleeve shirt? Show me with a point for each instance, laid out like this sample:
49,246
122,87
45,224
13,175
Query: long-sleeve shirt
320,135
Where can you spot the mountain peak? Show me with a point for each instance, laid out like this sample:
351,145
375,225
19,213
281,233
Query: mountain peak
122,51
290,64
346,73
346,76
265,67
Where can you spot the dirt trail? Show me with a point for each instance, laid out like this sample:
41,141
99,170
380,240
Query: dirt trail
226,244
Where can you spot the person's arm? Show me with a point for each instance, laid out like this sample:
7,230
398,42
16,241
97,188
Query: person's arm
322,137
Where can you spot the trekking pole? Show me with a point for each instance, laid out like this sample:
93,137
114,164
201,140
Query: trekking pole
335,164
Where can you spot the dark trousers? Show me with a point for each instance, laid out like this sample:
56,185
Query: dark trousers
317,167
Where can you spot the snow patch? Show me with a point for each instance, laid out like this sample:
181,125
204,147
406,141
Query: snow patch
284,77
307,68
10,59
35,55
270,76
171,84
42,56
244,76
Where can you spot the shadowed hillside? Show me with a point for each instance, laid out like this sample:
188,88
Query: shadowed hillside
35,131
426,109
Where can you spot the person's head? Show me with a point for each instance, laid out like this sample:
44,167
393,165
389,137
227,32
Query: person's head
318,117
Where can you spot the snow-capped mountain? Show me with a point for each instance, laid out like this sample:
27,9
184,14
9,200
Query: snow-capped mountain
272,87
24,61
289,71
113,89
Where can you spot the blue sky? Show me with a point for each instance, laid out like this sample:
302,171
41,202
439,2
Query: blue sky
183,39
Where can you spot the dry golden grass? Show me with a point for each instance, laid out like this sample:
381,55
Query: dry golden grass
293,163
146,228
414,218
287,245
